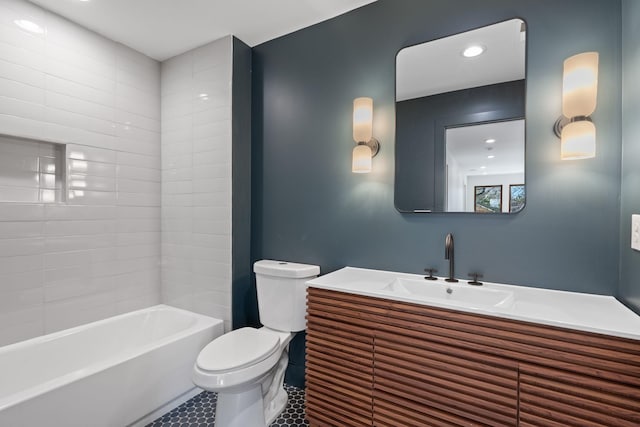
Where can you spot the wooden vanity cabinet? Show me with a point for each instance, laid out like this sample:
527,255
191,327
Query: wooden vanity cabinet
376,362
434,371
339,360
559,398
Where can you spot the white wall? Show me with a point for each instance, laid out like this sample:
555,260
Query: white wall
96,255
505,180
455,186
196,180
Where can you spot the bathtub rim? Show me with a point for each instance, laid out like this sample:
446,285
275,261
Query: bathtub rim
202,323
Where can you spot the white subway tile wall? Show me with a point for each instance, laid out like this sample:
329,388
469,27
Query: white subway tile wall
31,171
97,254
196,180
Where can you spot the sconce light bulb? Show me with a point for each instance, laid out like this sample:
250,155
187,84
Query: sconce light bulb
580,85
578,141
361,162
362,119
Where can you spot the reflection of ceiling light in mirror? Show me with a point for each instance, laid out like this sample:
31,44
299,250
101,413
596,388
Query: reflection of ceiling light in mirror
491,156
473,51
30,26
490,141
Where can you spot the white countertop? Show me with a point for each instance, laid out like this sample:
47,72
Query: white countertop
585,312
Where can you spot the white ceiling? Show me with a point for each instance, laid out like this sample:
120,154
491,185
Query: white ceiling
438,66
165,28
468,147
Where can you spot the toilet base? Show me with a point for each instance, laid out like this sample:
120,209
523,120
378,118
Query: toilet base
258,405
248,409
240,409
276,406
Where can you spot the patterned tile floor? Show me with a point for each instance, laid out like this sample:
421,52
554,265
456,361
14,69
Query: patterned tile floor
200,411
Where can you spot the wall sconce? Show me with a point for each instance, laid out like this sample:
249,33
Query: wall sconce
366,145
579,99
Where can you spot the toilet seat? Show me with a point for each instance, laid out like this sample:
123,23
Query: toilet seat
237,350
234,375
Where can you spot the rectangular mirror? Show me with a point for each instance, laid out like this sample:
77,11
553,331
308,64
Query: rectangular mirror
460,122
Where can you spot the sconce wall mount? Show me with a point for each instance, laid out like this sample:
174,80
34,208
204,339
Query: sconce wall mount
373,144
564,121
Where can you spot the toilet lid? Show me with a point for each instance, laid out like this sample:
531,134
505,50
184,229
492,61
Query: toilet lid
237,349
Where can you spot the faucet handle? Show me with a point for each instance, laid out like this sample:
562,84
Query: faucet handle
430,271
475,277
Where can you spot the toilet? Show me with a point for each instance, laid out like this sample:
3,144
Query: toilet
246,367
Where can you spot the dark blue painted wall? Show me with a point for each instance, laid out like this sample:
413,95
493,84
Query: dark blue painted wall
309,207
243,291
420,137
629,259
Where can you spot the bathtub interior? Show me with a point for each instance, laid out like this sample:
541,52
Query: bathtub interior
45,362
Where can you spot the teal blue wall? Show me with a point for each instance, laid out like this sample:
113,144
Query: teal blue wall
307,206
243,295
630,259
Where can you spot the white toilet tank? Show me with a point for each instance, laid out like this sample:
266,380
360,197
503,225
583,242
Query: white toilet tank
282,293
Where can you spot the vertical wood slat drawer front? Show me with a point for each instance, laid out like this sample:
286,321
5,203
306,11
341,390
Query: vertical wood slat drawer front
550,397
339,366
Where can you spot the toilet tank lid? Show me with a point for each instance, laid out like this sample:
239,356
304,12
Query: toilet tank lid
285,269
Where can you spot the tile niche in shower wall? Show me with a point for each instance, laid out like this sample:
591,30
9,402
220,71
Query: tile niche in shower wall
31,171
196,180
96,253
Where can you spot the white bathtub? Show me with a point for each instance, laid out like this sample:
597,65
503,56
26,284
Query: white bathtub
116,372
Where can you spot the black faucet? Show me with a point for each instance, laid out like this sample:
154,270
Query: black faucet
448,254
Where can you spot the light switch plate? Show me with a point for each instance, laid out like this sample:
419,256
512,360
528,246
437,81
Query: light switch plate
635,232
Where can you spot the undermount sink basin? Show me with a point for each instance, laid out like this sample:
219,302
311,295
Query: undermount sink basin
450,293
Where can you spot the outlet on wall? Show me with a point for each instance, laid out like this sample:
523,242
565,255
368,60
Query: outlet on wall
635,232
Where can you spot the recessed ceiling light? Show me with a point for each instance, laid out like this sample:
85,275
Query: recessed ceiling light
483,167
491,156
30,26
490,141
472,51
